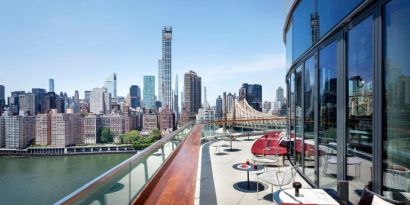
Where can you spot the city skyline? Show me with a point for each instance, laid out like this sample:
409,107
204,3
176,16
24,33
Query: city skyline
80,49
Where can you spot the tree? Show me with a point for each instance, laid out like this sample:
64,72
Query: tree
130,137
155,134
106,135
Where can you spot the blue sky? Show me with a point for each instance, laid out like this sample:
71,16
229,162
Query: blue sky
80,43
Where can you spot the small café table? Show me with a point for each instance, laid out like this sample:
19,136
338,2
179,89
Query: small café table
306,197
248,168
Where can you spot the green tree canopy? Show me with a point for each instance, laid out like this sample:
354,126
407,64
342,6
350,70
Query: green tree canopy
106,135
130,137
155,134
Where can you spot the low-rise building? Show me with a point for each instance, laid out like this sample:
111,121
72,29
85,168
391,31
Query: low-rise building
205,114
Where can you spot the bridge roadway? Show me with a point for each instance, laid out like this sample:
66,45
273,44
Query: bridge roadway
175,183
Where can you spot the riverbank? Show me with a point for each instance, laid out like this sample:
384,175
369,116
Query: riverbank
75,150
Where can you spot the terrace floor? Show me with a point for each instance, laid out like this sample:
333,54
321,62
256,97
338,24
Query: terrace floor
217,179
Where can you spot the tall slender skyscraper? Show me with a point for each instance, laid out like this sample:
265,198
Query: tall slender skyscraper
165,68
149,91
50,85
111,84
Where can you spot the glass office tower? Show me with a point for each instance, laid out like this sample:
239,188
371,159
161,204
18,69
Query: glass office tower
348,92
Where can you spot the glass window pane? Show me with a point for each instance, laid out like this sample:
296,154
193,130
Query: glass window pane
309,115
298,114
289,47
292,112
327,116
359,106
396,141
332,12
302,35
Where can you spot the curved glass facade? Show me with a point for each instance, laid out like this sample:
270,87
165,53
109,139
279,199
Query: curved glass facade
349,87
311,20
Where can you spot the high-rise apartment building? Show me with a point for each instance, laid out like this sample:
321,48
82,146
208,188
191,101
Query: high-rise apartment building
280,95
218,108
100,101
149,92
253,95
65,129
135,95
2,132
43,129
92,126
50,85
192,92
165,68
111,85
19,131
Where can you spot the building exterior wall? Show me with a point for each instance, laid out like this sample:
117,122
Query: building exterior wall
347,93
150,121
43,129
166,119
19,131
149,92
192,93
2,132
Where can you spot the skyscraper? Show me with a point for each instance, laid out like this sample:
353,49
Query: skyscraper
280,95
165,68
111,85
149,91
100,101
176,105
14,102
50,85
87,96
135,94
218,108
253,95
2,92
27,103
192,93
2,99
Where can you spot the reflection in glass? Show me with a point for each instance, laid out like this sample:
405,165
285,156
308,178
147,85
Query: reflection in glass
331,12
396,141
298,115
327,115
359,105
309,123
302,34
292,113
289,47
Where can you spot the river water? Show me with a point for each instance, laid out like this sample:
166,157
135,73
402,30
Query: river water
45,180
